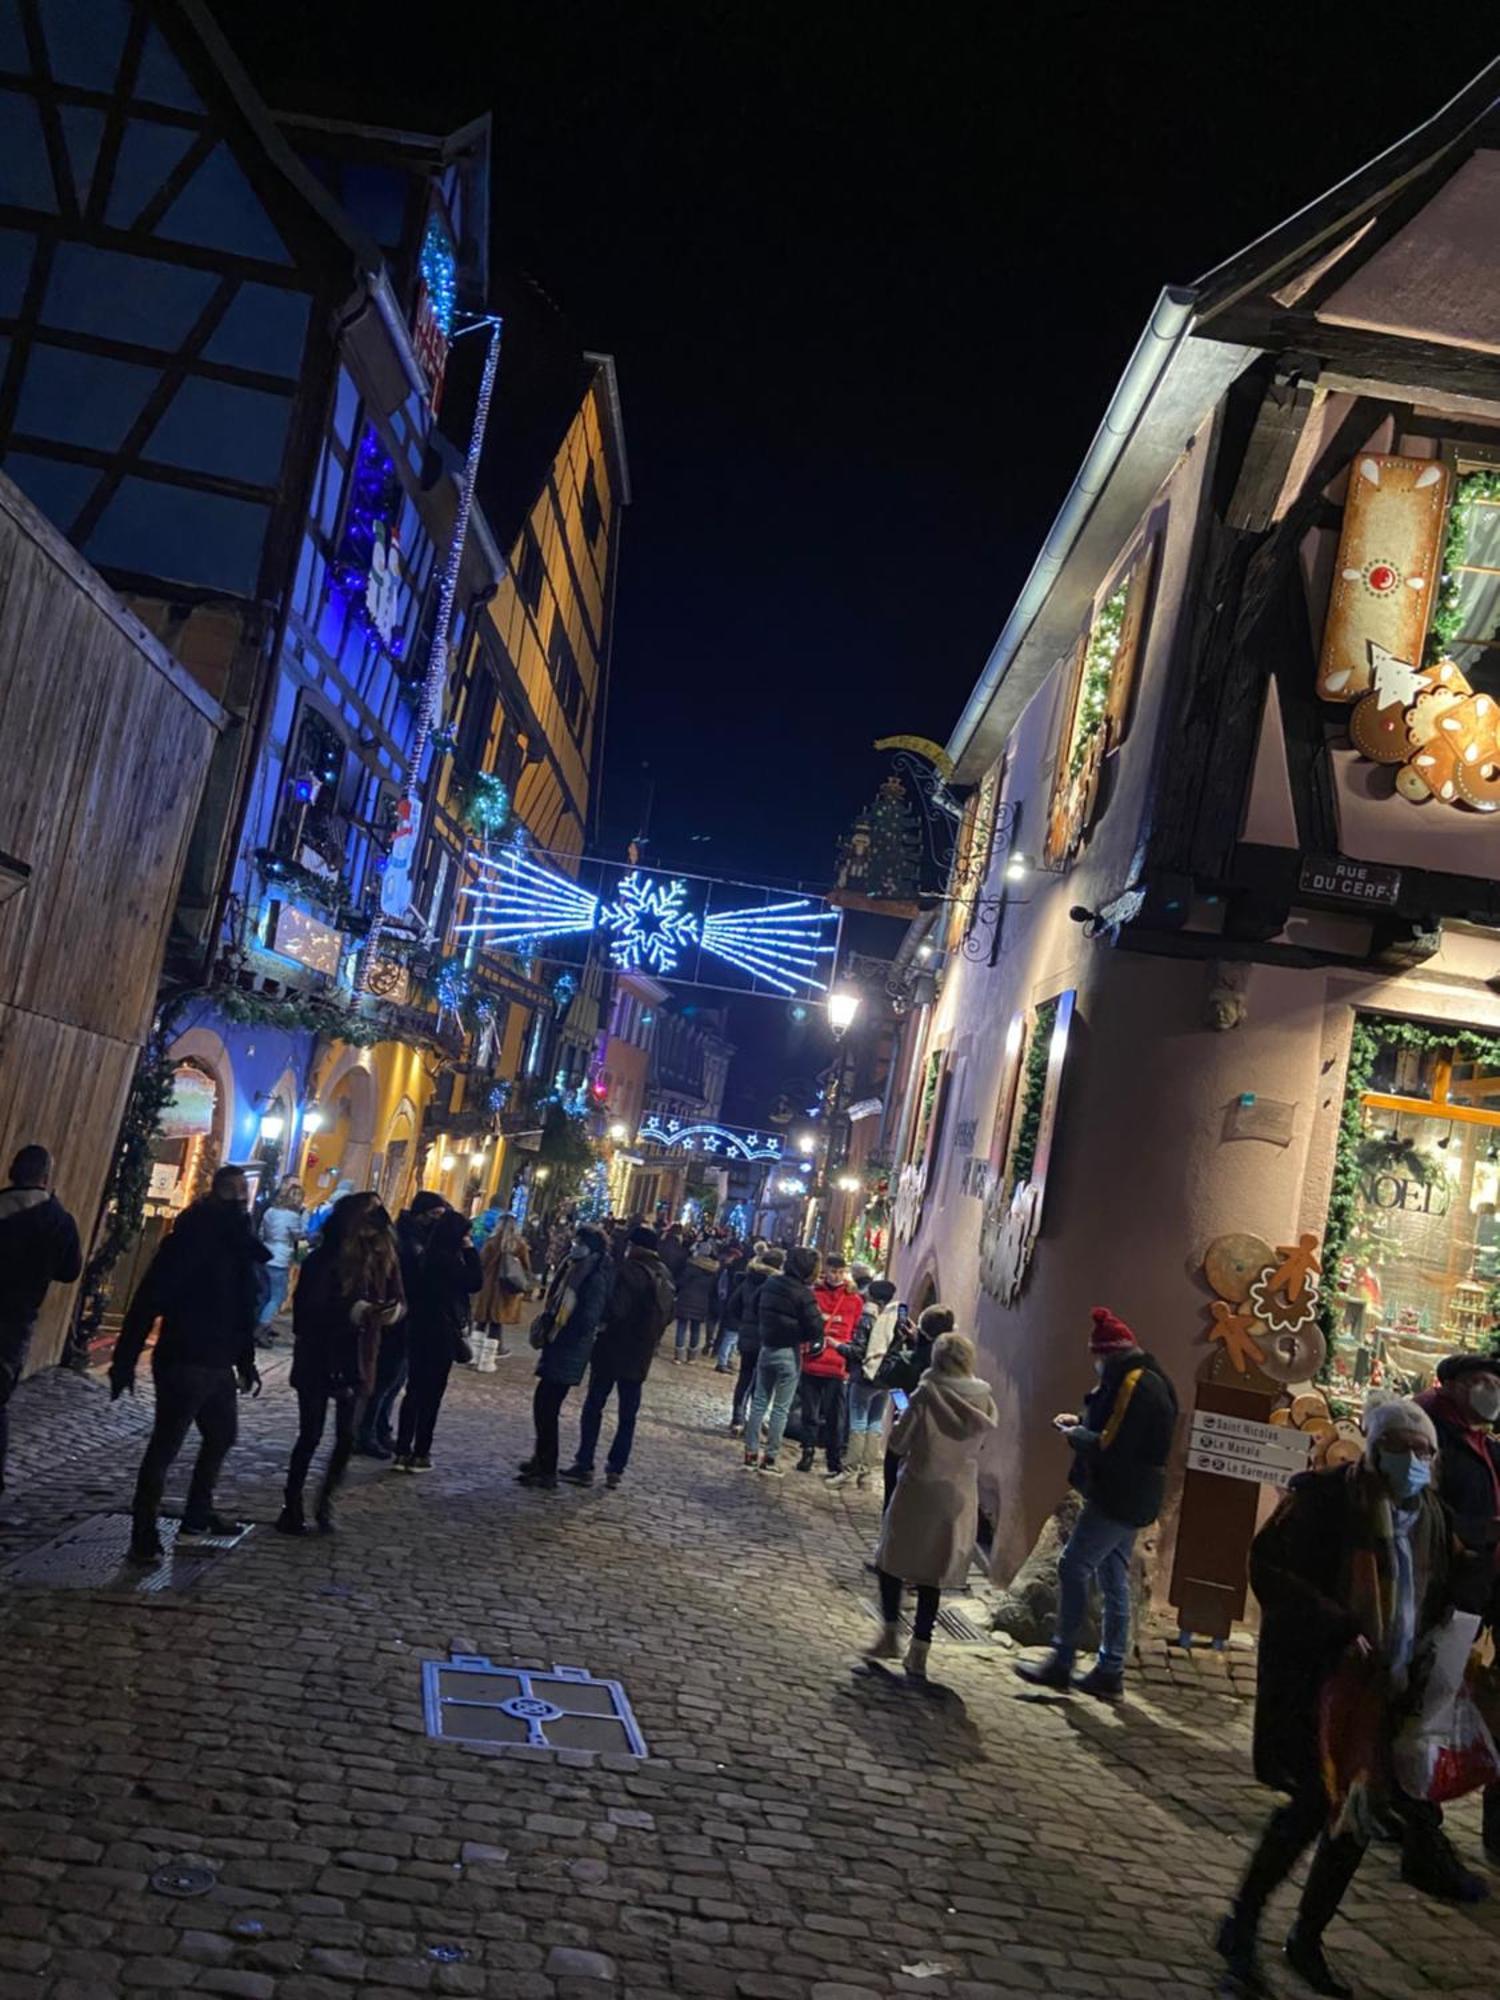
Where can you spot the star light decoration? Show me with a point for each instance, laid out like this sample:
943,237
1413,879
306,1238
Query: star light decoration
517,903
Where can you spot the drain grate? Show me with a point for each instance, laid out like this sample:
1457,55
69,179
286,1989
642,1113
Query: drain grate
466,1700
91,1556
963,1631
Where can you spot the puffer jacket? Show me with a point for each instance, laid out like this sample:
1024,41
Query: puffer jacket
841,1307
741,1310
786,1313
695,1286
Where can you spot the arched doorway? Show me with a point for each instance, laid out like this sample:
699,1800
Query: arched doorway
397,1159
343,1147
188,1145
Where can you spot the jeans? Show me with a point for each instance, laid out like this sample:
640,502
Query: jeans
278,1282
312,1415
1098,1547
428,1370
14,1341
390,1374
689,1333
928,1599
725,1348
546,1408
744,1383
186,1395
823,1418
776,1376
866,1405
602,1384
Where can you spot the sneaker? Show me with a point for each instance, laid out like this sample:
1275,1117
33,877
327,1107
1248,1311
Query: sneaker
545,1482
420,1462
771,1469
1305,1956
145,1551
612,1479
578,1475
750,1462
1103,1683
1053,1672
212,1527
676,1360
839,1478
401,1462
736,1430
373,1448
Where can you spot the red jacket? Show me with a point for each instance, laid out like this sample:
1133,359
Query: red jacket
841,1307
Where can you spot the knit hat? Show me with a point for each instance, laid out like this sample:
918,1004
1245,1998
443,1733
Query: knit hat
643,1237
1110,1335
1456,1366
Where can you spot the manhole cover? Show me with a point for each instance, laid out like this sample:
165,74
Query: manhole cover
92,1556
467,1700
183,1878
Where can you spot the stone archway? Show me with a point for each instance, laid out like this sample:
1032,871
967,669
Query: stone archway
346,1097
203,1047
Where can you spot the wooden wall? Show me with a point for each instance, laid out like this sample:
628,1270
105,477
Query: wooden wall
105,741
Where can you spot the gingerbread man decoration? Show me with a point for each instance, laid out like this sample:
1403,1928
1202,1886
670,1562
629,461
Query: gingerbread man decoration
1236,1330
1299,1263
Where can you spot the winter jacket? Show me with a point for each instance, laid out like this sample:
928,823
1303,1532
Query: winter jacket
1468,1484
927,1536
576,1299
1132,1414
695,1286
641,1302
786,1313
206,1285
332,1353
1301,1566
281,1230
740,1312
439,1276
906,1368
38,1247
882,1333
726,1285
496,1304
841,1307
675,1252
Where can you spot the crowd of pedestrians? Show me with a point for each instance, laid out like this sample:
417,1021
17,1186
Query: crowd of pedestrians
1366,1574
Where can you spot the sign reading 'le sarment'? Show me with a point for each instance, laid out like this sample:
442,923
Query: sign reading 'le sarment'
1350,881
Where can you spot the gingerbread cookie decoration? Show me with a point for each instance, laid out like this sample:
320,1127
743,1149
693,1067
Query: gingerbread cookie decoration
1237,1331
1430,773
1232,1263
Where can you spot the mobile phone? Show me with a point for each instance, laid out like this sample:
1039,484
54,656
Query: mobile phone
899,1401
904,1310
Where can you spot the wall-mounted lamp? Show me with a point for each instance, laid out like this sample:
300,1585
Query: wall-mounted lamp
843,1007
313,1120
271,1127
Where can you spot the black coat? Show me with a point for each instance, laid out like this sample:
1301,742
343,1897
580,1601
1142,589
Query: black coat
331,1356
439,1277
206,1284
786,1313
1468,1484
904,1367
740,1311
695,1286
640,1305
38,1247
1299,1564
674,1254
1134,1412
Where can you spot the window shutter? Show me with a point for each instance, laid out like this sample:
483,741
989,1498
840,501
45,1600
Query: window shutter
1132,636
1060,840
1388,569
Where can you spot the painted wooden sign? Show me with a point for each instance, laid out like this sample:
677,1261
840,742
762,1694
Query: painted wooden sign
1386,574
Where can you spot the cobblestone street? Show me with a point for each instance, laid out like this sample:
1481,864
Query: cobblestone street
799,1831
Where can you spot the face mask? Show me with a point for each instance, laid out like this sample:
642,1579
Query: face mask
1484,1401
1404,1473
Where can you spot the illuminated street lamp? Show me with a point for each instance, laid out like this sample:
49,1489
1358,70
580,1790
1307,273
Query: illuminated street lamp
807,1142
619,1131
849,1184
450,1161
843,1007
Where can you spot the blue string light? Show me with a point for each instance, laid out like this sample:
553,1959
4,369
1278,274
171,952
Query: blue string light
776,944
439,269
515,901
368,544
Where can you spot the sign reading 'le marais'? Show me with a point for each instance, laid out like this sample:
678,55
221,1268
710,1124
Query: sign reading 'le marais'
1240,1448
1350,881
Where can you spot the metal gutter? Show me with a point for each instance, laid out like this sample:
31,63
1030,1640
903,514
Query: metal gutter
1164,334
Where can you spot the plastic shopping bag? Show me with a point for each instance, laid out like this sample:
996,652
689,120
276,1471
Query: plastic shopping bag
1444,1750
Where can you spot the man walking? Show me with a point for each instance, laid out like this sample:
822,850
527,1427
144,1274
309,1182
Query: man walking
205,1284
824,1375
787,1320
38,1247
1120,1448
640,1305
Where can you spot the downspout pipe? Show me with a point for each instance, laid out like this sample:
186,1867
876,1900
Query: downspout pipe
1165,332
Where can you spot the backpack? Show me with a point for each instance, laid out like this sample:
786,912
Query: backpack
666,1297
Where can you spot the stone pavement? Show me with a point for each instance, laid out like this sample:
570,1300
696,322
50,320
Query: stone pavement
800,1831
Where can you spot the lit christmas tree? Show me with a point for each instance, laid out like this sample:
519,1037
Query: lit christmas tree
895,853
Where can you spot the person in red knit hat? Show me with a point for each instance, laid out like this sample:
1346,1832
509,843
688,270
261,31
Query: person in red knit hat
1120,1448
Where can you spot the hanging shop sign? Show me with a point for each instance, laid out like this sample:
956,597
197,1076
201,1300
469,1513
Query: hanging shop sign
1386,573
397,888
1240,1448
295,934
867,1107
1340,881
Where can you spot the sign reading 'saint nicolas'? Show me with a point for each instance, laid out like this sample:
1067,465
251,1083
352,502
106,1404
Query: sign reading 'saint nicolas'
1340,881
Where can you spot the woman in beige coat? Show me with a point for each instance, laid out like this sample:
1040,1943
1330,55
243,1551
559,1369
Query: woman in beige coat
503,1257
928,1535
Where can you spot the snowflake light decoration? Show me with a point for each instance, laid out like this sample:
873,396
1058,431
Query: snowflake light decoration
654,926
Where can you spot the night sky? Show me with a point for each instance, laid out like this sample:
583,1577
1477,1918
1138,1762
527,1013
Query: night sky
870,274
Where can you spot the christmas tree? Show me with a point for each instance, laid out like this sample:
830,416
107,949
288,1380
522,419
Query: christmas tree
895,853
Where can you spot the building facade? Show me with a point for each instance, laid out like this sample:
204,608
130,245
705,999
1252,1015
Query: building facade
1207,1029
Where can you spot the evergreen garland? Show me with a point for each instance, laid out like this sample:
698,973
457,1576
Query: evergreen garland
1349,1163
130,1177
1033,1093
316,1011
1473,489
486,805
1098,672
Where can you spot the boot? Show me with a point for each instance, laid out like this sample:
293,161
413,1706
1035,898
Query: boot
859,1456
1056,1671
1236,1943
805,1462
1304,1954
291,1520
915,1662
886,1645
325,1511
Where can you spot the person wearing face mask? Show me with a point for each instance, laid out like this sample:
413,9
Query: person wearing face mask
1463,1407
1120,1449
1356,1565
565,1330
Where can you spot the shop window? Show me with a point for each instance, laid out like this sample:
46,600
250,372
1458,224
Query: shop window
531,571
1415,1223
593,513
1466,618
563,662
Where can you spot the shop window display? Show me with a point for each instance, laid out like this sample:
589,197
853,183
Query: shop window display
1419,1180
